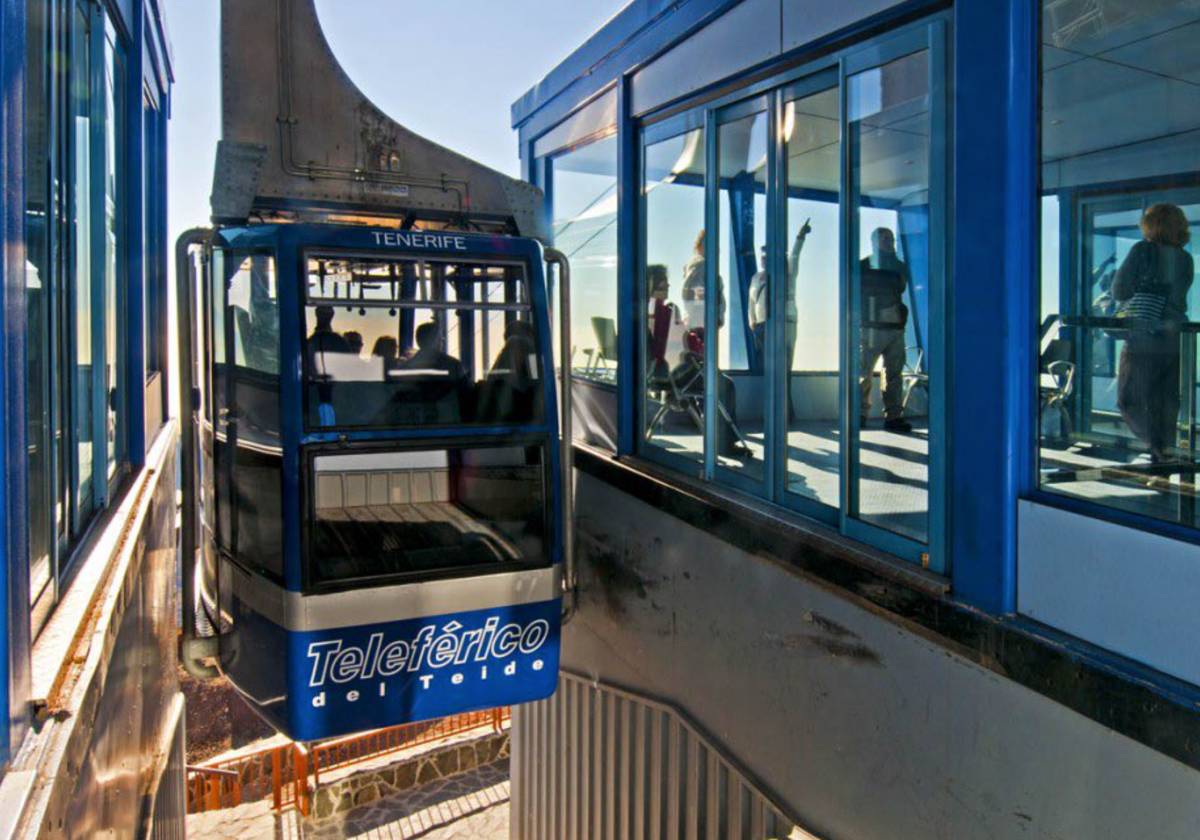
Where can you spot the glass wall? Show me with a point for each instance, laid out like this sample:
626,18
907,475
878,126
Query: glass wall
812,134
114,243
1120,183
792,355
889,130
582,185
82,379
675,285
743,301
75,230
38,277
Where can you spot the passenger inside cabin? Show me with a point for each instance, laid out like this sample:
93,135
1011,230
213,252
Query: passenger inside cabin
324,339
884,279
325,348
512,391
1151,289
386,348
355,340
430,359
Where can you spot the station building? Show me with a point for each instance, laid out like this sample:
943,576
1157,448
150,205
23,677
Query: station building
91,732
885,377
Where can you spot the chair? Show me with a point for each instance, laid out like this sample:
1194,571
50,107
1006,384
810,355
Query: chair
1056,384
606,341
681,389
914,375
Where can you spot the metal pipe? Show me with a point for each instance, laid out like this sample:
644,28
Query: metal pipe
191,648
570,576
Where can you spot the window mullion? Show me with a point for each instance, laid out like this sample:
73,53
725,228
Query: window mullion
712,191
97,258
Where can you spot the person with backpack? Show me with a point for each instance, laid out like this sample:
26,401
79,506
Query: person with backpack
1151,289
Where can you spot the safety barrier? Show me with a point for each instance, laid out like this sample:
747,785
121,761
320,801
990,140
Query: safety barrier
282,772
599,761
346,752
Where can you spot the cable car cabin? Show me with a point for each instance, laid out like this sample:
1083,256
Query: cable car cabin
381,537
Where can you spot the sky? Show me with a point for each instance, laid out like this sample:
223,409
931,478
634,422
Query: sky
447,69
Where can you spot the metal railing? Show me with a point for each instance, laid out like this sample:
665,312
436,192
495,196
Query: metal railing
281,773
595,761
212,788
347,752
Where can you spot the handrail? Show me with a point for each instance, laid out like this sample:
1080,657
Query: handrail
576,688
212,771
191,647
567,457
1112,322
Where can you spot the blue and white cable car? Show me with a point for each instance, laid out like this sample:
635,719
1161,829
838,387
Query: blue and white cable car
380,470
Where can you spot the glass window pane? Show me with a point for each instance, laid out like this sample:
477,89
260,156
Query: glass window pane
393,343
811,349
1117,381
38,277
82,392
889,124
114,173
743,308
584,224
248,454
423,513
674,280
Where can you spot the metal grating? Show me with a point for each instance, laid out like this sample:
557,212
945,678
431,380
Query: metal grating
168,801
595,762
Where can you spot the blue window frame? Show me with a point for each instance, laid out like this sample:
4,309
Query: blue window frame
851,149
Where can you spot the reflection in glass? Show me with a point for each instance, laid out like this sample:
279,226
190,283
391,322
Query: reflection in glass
393,343
674,278
38,277
114,172
889,125
1117,386
248,455
583,188
384,514
81,261
741,337
812,341
584,222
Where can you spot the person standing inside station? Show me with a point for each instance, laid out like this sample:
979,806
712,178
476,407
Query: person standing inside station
759,304
1151,289
883,279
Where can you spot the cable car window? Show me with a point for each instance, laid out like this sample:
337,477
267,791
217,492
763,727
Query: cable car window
396,343
248,453
425,512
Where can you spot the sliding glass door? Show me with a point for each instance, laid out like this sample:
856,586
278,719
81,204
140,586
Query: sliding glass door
792,284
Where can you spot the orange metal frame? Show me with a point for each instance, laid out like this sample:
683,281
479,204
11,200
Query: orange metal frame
219,784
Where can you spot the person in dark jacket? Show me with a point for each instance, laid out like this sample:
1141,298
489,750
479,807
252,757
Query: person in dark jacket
883,279
1156,275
